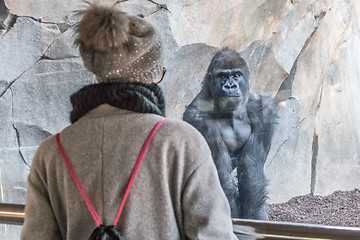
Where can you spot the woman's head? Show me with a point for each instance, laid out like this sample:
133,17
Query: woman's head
118,47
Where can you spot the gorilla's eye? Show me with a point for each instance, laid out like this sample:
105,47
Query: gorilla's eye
222,78
237,74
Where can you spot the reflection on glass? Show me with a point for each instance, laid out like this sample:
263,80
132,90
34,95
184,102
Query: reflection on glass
302,53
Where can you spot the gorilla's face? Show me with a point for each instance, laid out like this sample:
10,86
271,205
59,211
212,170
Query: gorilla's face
229,83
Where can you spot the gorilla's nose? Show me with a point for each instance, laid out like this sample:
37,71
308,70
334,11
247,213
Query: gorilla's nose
230,87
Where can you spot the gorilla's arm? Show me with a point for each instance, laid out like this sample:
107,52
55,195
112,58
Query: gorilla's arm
251,178
262,112
199,109
191,113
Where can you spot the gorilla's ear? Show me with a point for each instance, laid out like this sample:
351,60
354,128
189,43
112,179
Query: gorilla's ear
206,81
248,71
207,76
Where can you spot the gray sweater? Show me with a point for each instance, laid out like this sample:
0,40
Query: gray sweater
176,193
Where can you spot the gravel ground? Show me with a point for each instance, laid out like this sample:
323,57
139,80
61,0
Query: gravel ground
341,208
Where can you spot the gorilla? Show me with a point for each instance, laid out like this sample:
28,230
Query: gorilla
238,126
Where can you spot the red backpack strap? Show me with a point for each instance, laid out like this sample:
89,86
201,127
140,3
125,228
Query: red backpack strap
78,184
148,140
81,189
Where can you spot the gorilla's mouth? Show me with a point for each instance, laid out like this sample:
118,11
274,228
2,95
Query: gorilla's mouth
231,98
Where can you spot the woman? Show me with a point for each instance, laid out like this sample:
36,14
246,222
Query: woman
176,193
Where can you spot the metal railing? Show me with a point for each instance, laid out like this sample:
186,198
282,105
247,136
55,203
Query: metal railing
14,214
284,230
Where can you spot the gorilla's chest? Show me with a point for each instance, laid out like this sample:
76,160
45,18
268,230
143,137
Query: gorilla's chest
235,133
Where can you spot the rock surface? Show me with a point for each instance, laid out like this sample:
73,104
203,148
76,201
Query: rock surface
304,53
23,45
183,79
46,11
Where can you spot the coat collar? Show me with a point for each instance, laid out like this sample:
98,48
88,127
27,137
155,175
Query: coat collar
137,97
105,110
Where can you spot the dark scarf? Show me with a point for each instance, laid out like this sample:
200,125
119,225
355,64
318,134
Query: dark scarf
137,97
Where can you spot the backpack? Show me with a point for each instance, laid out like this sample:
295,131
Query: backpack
107,232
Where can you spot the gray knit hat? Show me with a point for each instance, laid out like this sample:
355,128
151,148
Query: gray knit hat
118,47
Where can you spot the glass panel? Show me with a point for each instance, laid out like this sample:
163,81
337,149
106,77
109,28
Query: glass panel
304,54
10,232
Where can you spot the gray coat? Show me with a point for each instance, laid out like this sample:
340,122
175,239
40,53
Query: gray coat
176,193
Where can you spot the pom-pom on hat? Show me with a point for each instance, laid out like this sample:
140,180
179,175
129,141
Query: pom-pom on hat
118,47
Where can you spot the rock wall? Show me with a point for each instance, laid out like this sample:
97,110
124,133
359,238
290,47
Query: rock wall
304,53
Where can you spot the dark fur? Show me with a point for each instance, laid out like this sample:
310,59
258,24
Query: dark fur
247,198
105,232
102,27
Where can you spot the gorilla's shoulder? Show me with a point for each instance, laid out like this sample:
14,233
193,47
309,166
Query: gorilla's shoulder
261,100
262,106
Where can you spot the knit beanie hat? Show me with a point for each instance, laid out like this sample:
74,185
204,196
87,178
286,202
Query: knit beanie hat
117,47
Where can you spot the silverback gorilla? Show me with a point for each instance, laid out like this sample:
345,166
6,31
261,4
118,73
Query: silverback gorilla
238,127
